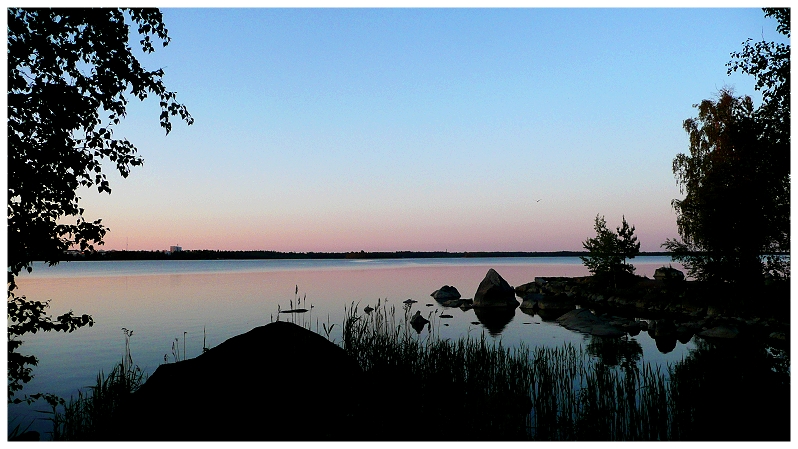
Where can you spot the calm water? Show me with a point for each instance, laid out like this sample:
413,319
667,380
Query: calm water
166,300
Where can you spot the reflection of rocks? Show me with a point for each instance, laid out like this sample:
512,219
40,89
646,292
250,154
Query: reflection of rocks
446,293
666,344
494,318
662,329
725,332
583,320
683,334
631,327
452,303
528,311
551,315
466,304
494,291
556,302
418,322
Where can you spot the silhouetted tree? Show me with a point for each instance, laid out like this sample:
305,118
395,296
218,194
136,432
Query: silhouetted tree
736,179
70,75
609,250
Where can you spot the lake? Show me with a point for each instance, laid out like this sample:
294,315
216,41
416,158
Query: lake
187,302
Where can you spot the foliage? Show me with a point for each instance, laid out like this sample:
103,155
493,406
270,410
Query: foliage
30,317
735,216
609,250
70,74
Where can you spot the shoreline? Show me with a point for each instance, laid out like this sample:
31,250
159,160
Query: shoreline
266,255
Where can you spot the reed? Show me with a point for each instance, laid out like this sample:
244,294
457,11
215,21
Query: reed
513,393
473,389
90,416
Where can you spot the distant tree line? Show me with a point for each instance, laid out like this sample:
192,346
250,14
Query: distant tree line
205,254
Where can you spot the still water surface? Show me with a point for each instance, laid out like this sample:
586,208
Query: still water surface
188,301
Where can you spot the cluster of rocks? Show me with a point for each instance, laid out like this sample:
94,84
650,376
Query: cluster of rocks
494,302
493,292
448,296
558,298
551,294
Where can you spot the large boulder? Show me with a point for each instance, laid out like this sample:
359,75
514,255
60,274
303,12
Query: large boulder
275,382
446,293
494,291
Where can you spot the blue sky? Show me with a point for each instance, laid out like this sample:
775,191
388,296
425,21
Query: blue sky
419,129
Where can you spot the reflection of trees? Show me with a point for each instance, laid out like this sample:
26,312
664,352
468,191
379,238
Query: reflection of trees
731,391
494,318
615,351
666,344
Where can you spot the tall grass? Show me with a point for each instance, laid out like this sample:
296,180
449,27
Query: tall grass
473,389
90,416
514,393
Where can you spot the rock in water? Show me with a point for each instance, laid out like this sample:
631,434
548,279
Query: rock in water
452,303
526,289
531,300
555,302
445,293
583,320
275,382
418,322
494,291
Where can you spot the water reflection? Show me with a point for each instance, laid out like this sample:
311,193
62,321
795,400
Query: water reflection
732,390
495,319
615,351
666,344
552,314
227,298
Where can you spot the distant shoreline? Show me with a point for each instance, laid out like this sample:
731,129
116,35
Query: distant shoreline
225,255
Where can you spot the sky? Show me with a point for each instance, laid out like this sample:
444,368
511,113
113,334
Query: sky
419,129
